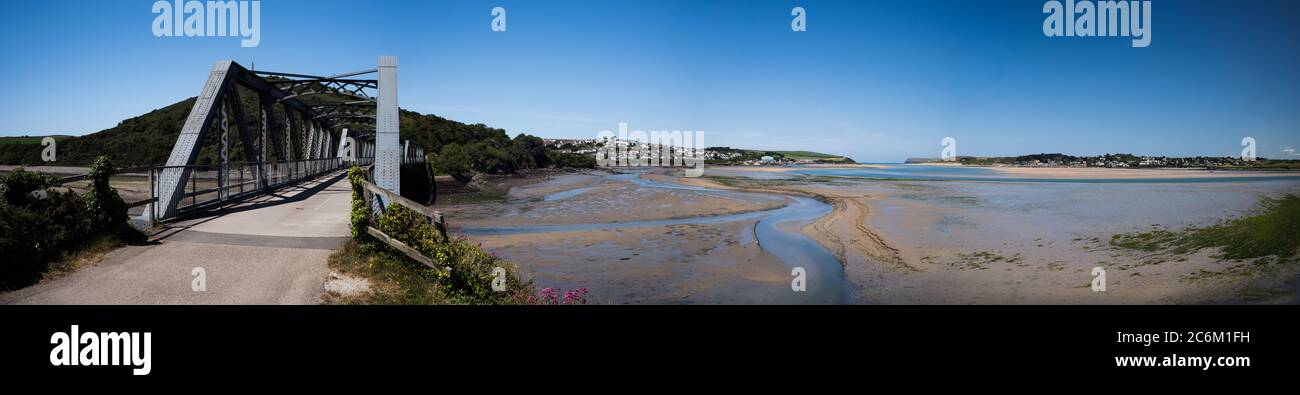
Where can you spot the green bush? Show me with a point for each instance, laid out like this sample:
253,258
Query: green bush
36,231
18,184
360,215
470,279
105,207
20,242
502,156
576,161
471,275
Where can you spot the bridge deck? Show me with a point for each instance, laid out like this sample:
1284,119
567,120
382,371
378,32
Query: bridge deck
269,250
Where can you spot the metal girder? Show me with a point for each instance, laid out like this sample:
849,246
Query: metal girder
335,83
350,88
258,84
365,113
311,140
353,74
272,73
246,137
171,181
388,152
224,174
309,130
291,146
306,94
270,127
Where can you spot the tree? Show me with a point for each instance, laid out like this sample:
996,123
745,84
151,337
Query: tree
455,161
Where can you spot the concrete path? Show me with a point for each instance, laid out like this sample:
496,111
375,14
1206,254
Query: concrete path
271,249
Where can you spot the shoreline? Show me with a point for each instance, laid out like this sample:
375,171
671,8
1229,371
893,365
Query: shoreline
1054,173
898,242
1118,174
894,257
835,231
782,168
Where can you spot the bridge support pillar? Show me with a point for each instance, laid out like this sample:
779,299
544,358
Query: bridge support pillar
388,153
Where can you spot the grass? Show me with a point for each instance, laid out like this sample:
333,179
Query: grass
1253,244
86,254
1152,241
393,280
981,260
1270,232
809,155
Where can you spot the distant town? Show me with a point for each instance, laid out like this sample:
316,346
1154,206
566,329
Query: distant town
1120,161
712,155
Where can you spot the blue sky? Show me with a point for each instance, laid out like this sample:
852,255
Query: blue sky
875,80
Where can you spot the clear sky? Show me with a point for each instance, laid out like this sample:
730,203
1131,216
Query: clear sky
875,80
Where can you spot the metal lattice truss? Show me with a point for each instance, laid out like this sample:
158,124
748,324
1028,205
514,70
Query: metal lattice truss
340,116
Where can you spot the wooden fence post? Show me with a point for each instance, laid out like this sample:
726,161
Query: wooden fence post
440,225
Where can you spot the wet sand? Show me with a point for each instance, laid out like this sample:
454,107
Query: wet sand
603,198
899,242
1107,173
1094,173
1033,243
679,264
781,169
625,261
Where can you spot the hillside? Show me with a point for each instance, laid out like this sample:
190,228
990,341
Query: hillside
732,156
813,156
147,139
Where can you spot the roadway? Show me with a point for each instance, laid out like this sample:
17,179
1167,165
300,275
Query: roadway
270,249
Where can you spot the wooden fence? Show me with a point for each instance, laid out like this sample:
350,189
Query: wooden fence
370,191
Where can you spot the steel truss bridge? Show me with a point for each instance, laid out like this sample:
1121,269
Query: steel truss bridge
306,126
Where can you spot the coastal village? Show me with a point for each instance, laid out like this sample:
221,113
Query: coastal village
1115,161
712,155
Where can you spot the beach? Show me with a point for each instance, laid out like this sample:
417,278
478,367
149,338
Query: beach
1107,173
654,236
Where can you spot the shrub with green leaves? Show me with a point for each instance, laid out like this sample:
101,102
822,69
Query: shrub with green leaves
17,185
106,208
472,269
471,275
360,214
36,230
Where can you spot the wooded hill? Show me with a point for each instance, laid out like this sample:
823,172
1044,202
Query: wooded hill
147,140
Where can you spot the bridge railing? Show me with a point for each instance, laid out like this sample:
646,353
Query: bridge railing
215,185
207,187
